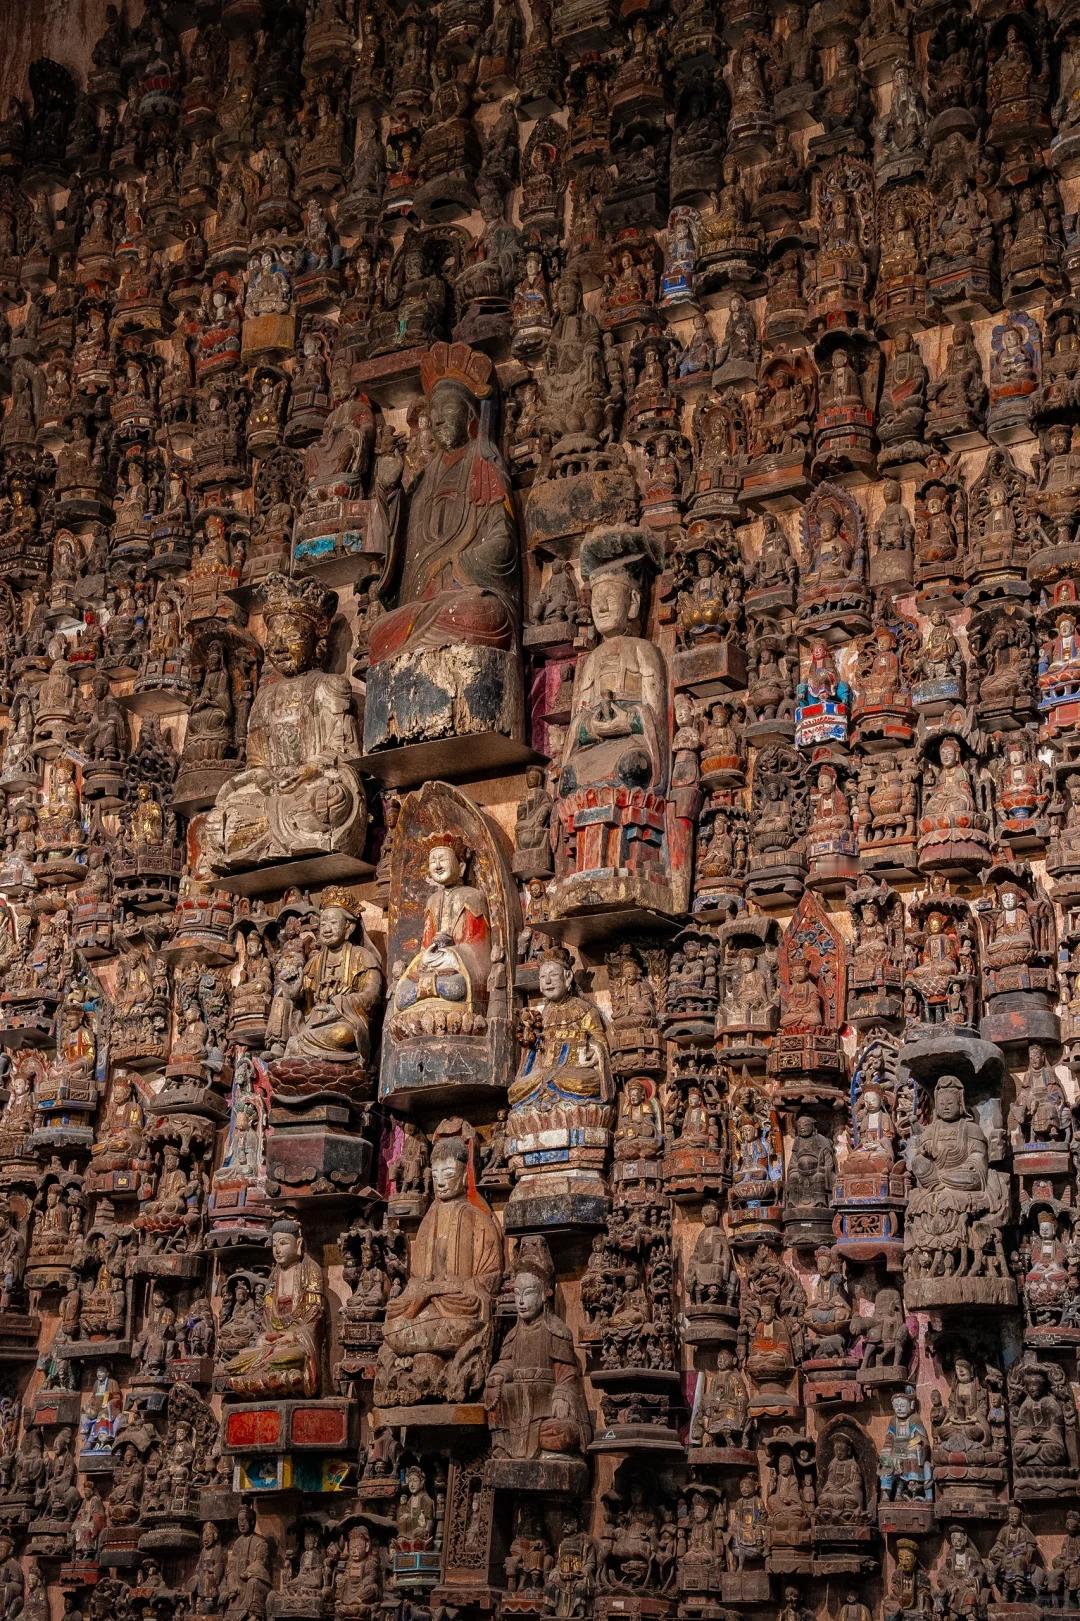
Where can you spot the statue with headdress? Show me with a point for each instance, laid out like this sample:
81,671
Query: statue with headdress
284,1359
618,729
616,832
451,927
439,1331
534,1395
453,637
443,987
561,1108
339,990
300,796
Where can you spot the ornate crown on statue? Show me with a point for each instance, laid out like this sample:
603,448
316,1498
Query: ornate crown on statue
305,600
457,363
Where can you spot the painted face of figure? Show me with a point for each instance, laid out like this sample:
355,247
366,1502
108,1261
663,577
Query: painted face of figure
334,925
288,645
450,414
447,1176
443,865
948,1103
554,980
528,1296
286,1248
612,603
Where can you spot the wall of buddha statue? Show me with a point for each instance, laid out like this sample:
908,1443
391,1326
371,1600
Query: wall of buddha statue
539,811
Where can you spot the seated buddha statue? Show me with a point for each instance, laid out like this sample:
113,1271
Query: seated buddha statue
829,806
17,1114
339,990
300,794
756,1162
439,1331
842,1494
567,1062
173,1206
559,1120
55,1227
573,381
59,826
962,1425
76,1053
800,1007
874,1134
284,1358
121,1138
444,986
1060,662
775,1346
638,1130
1050,1269
949,795
959,1203
879,680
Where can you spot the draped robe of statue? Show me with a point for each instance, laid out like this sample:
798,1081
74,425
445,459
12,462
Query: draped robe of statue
460,580
247,1576
957,1172
540,1406
568,1061
619,707
446,1309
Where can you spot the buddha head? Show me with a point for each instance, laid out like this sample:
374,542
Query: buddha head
568,296
949,1102
286,1243
450,417
828,1262
449,1166
616,564
456,380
